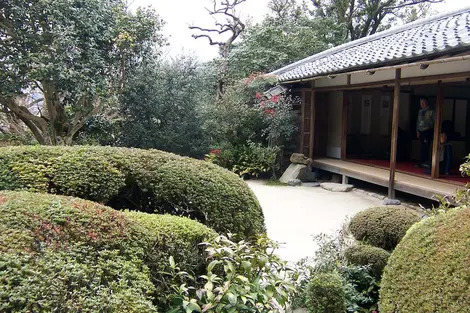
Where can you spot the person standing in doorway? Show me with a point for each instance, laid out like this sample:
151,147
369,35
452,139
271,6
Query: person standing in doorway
425,130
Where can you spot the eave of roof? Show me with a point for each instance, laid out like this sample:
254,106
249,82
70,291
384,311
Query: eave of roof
323,59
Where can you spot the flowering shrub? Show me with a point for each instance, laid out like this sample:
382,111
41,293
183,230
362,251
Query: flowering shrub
250,127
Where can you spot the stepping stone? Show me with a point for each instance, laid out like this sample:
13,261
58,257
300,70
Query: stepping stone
311,184
295,182
388,201
336,187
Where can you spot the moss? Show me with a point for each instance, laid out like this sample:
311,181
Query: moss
66,254
325,294
363,255
428,271
143,180
382,227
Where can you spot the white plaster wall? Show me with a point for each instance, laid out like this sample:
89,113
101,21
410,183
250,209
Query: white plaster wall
436,69
339,80
360,78
335,114
407,72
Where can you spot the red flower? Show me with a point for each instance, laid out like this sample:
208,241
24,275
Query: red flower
275,99
270,111
262,105
215,151
258,95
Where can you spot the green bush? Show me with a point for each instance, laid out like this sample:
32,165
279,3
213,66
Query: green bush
249,159
325,294
171,236
143,180
382,227
429,269
241,277
363,255
64,254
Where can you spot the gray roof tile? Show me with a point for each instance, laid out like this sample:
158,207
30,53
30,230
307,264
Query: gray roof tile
438,34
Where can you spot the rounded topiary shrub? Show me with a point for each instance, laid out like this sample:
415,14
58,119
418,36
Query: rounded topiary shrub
143,180
382,227
429,269
63,254
325,294
363,255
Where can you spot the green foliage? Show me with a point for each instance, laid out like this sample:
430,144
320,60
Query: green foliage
428,270
251,159
382,227
287,35
375,257
240,277
65,254
161,108
71,57
248,128
143,180
166,236
361,288
325,294
69,255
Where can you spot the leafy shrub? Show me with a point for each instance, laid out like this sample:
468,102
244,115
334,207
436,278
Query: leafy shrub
325,294
428,271
241,277
166,236
361,289
65,254
382,227
69,255
250,159
143,180
363,255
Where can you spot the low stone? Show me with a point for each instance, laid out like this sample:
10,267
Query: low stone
295,182
311,184
388,201
294,171
299,158
336,187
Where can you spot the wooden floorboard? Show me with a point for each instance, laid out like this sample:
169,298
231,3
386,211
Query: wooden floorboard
420,186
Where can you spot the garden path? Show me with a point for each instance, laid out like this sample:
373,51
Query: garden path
294,214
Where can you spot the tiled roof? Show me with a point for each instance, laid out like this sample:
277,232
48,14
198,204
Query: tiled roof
442,33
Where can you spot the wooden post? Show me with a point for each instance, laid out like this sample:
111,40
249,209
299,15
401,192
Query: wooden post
393,149
311,143
302,120
344,126
437,131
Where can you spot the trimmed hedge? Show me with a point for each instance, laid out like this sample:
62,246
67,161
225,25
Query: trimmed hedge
325,294
363,255
143,180
429,269
382,227
65,254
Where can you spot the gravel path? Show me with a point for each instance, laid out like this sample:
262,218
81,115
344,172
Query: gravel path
294,214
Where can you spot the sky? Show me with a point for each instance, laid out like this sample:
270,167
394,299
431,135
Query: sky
179,14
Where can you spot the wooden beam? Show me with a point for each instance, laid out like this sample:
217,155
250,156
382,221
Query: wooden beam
311,143
404,81
344,126
395,119
437,131
348,79
302,120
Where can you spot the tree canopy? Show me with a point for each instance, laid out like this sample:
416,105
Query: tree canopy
70,57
